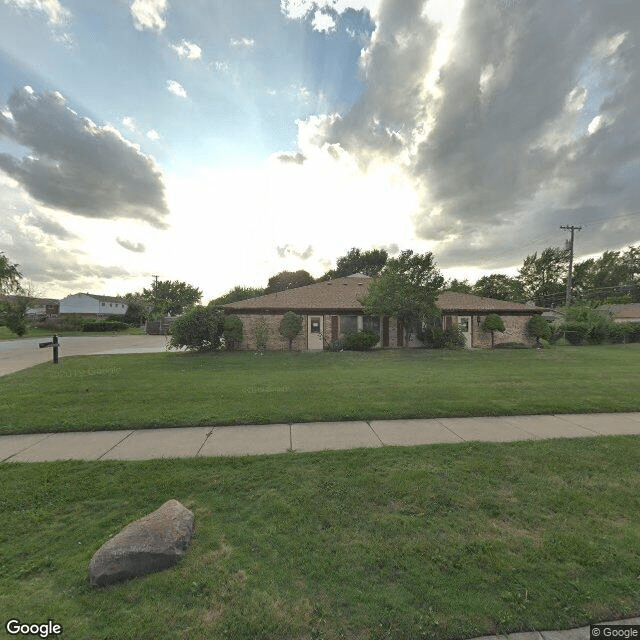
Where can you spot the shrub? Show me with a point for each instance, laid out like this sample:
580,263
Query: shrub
104,325
360,341
336,345
493,322
232,332
539,328
261,334
453,338
432,337
199,329
290,326
575,332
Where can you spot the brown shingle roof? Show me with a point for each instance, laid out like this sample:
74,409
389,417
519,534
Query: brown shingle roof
343,294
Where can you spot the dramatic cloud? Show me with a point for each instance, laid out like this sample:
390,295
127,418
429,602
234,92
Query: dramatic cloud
136,247
75,165
288,250
187,50
176,88
149,14
511,120
54,11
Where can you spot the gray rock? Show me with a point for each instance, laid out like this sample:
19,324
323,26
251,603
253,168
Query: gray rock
150,544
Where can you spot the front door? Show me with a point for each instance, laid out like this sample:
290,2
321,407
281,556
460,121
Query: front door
464,322
315,333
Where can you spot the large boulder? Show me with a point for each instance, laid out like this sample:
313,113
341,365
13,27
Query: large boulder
150,544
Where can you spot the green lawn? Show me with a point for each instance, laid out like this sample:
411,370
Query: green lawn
180,389
37,332
433,542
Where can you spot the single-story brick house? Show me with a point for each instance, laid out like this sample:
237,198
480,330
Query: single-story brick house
332,308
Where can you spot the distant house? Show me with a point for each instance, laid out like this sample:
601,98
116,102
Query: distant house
622,312
332,308
38,307
89,304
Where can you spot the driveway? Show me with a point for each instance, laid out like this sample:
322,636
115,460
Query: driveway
24,353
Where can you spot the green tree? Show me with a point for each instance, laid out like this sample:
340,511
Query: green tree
12,310
10,276
458,286
138,309
236,295
493,322
289,280
290,326
544,278
171,298
539,328
370,263
198,329
500,287
232,332
406,288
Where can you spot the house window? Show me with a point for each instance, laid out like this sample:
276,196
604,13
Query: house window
103,304
348,324
371,323
315,325
110,305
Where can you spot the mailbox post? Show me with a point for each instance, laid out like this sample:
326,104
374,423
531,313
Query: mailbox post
54,343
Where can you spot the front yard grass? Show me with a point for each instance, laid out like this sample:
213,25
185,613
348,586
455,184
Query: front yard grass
182,389
435,542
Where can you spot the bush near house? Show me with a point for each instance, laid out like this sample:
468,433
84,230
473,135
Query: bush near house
539,328
437,338
360,341
232,332
199,329
106,325
290,326
493,322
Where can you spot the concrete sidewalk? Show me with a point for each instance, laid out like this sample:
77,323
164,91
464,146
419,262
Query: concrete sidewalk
279,438
187,442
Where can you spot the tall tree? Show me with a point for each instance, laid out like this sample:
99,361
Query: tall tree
370,263
289,280
236,295
500,287
458,286
544,278
10,276
406,288
171,297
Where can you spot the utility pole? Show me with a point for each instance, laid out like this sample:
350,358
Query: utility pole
570,247
155,284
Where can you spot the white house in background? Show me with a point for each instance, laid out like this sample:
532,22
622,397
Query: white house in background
89,304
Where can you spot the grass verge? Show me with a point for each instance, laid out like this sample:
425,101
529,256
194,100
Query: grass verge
181,389
37,332
439,542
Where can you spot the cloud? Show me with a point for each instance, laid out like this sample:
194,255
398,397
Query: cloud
296,158
149,14
176,88
77,166
245,43
298,9
136,247
510,118
55,12
152,134
323,22
129,123
48,226
188,50
288,250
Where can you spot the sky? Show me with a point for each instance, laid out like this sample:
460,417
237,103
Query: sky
219,142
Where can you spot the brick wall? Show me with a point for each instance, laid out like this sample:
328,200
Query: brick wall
275,342
515,330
